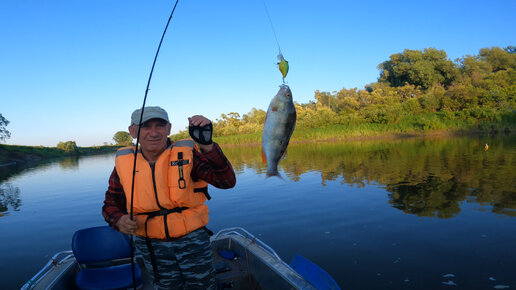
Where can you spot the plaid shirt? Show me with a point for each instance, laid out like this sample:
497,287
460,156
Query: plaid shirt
212,167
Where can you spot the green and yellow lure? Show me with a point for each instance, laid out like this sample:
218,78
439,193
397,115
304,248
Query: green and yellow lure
283,66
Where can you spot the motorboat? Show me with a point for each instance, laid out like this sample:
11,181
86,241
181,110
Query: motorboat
241,261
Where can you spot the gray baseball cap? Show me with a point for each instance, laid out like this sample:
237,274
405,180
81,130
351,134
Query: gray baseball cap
149,113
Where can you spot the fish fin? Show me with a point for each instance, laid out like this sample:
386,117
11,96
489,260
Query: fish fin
275,173
284,154
264,158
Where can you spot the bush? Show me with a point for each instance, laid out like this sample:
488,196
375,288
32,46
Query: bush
68,146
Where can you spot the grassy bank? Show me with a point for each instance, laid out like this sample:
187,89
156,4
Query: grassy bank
18,153
430,124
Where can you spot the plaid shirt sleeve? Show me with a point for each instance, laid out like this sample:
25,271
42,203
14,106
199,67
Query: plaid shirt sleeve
214,168
115,201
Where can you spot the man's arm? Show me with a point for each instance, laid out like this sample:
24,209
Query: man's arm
115,202
213,167
114,209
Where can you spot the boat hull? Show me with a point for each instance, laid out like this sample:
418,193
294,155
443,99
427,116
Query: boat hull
253,265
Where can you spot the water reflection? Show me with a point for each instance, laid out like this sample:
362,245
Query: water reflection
70,163
11,171
426,177
9,198
431,197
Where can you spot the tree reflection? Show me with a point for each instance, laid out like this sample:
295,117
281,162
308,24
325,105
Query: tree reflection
9,197
8,172
70,163
426,177
432,197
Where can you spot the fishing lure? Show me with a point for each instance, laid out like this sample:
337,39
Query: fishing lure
283,66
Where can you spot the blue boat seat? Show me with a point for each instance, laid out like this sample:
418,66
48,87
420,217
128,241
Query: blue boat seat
313,273
104,256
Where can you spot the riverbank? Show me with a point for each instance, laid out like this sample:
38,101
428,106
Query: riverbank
18,155
342,133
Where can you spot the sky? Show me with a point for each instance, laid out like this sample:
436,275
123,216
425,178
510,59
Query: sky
76,69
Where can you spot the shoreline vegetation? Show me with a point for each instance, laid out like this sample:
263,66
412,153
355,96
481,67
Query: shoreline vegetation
20,154
418,93
341,133
17,158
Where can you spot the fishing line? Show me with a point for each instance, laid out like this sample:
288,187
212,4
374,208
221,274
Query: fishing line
272,26
138,134
283,63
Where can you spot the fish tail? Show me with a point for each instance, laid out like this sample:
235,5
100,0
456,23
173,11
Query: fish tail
274,173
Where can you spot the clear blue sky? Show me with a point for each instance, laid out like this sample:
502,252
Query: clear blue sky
76,69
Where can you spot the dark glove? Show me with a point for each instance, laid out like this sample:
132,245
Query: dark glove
201,134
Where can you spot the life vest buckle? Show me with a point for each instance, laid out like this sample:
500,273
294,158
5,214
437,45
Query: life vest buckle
179,162
181,183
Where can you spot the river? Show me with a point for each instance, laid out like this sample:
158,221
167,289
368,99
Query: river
433,213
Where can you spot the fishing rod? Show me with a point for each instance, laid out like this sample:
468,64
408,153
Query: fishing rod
138,135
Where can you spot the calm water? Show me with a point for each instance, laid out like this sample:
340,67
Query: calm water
405,214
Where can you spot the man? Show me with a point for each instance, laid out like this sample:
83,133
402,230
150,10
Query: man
170,188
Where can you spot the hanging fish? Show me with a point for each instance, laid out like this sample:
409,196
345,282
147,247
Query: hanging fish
283,66
279,125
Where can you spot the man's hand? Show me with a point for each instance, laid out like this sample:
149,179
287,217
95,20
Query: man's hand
127,225
199,120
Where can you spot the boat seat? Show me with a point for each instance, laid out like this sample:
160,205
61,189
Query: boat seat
312,273
104,256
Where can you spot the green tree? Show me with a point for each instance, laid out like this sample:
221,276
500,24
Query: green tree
487,80
420,68
417,90
123,138
68,146
256,116
324,99
228,125
4,134
499,59
347,100
488,61
510,49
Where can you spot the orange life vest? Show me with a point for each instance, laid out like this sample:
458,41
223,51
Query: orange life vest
167,203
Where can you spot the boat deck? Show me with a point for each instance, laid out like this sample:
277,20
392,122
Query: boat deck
250,264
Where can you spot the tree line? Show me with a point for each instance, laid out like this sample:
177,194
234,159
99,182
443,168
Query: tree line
422,87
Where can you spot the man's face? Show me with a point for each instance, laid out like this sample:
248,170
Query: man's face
153,135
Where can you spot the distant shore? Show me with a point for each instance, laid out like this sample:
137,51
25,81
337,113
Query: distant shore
338,133
385,136
12,155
